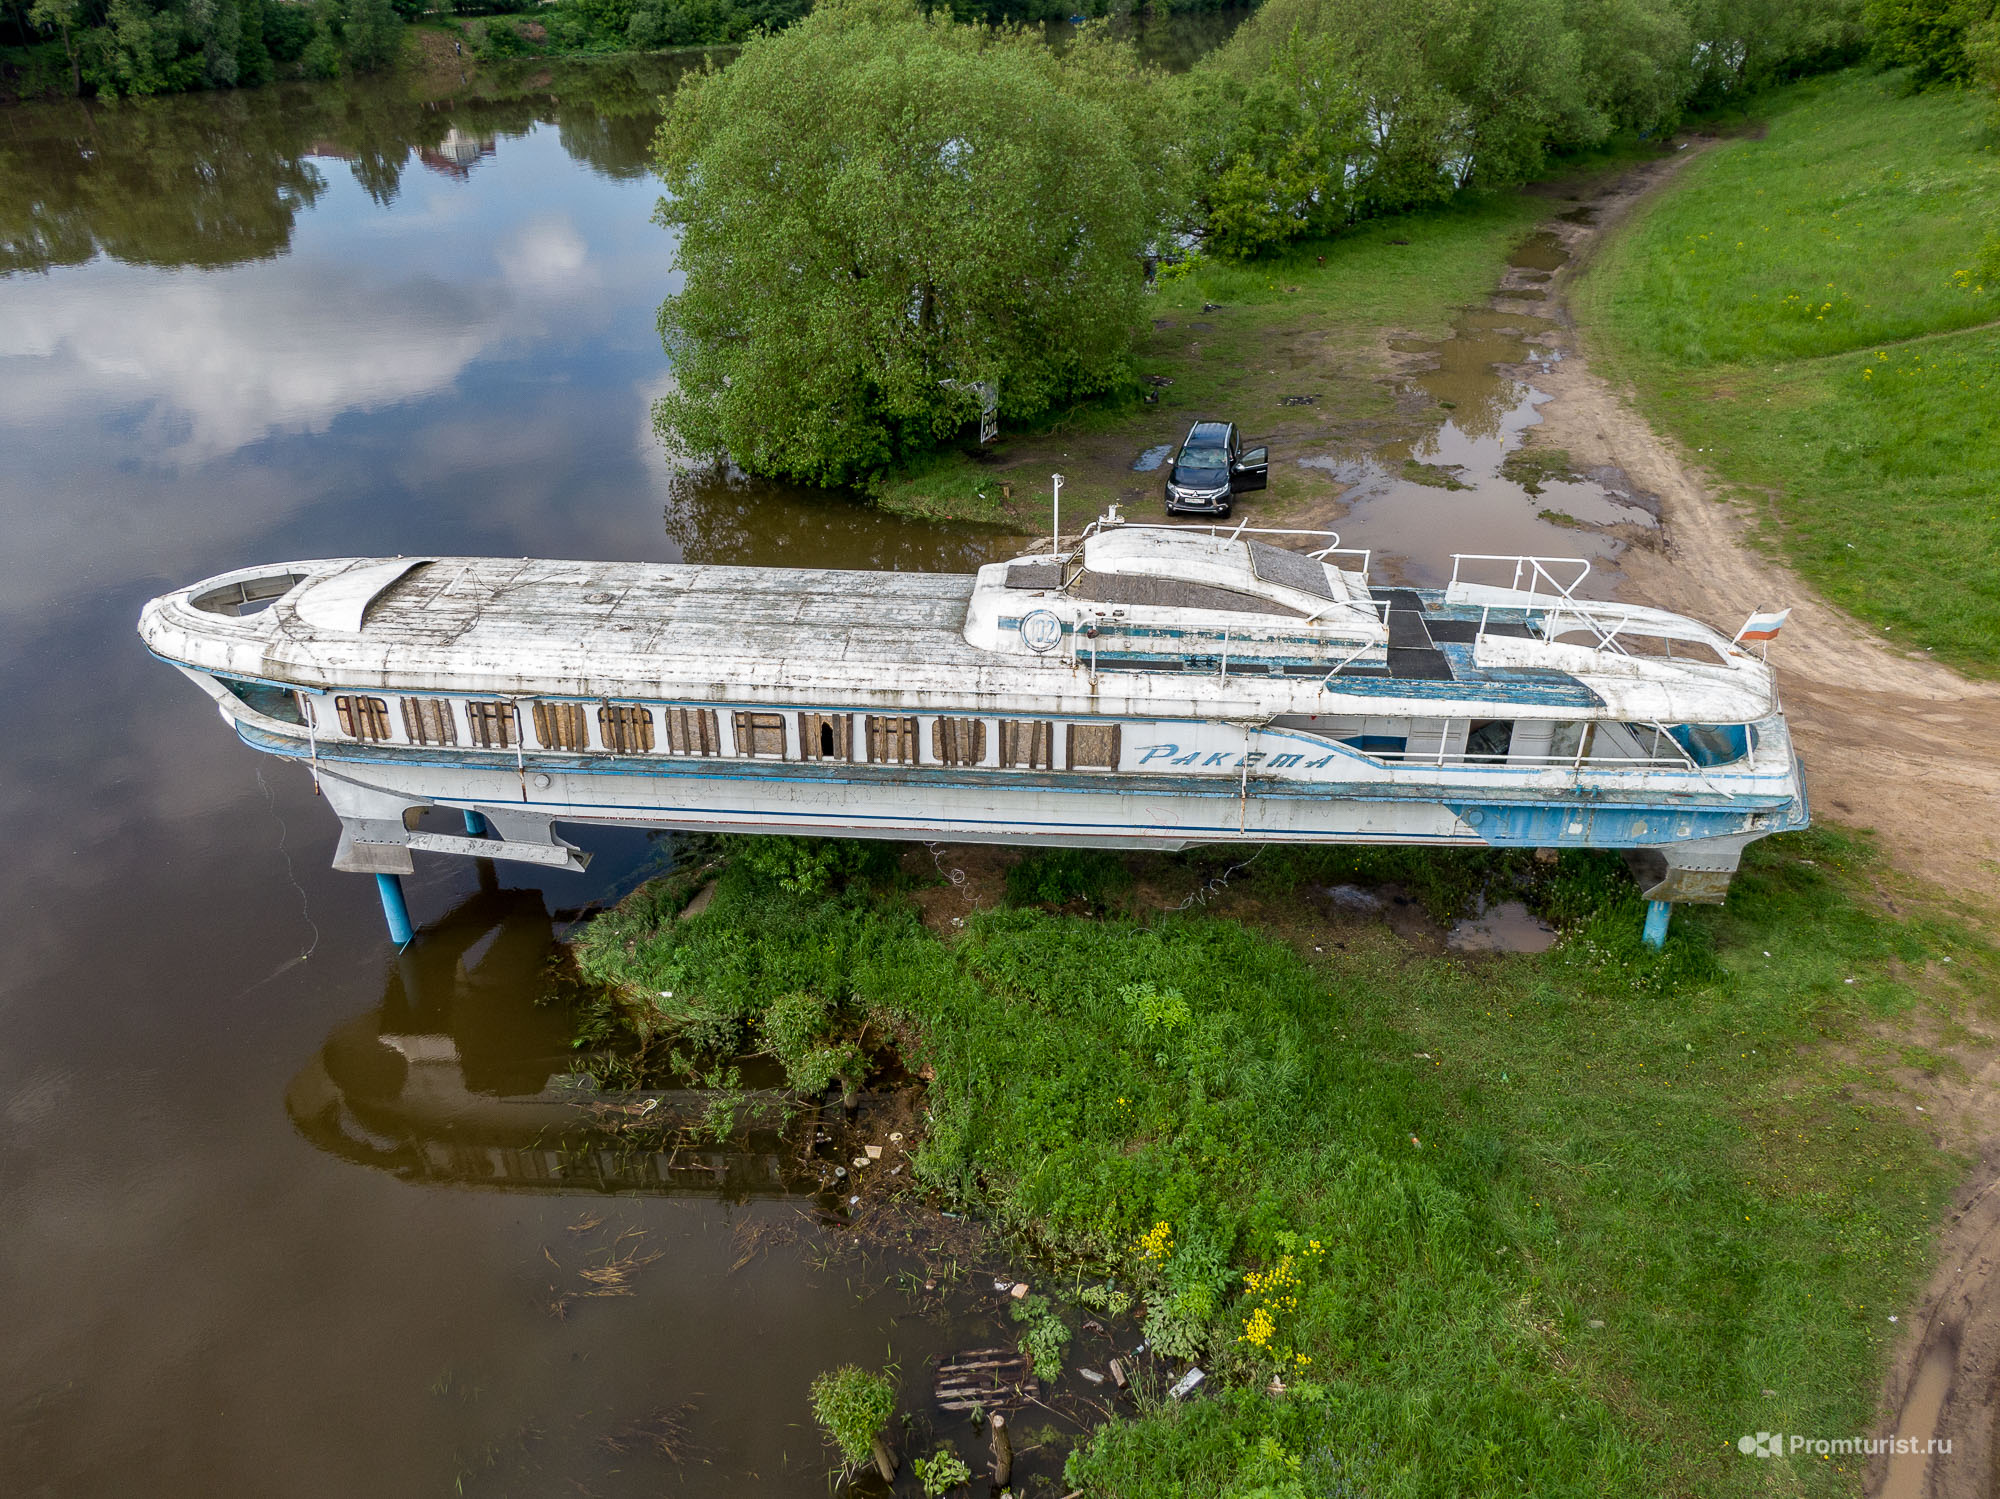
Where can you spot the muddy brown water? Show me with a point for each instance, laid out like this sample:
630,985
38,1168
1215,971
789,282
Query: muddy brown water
1453,490
284,1210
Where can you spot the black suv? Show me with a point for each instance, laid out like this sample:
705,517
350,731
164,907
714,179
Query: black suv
1211,469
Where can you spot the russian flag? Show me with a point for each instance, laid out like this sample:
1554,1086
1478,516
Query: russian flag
1764,626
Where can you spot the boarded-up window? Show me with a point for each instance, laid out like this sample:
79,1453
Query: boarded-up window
427,720
625,730
492,724
1093,746
761,734
693,731
363,717
561,726
826,736
892,741
1027,742
958,741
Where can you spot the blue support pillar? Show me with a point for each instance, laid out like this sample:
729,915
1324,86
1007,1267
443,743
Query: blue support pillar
1657,912
475,824
390,887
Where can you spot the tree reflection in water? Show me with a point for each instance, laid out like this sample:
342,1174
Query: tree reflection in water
213,180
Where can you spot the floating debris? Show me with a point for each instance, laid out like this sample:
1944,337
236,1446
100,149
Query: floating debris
1186,1384
986,1378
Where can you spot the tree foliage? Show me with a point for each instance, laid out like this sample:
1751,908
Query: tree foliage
144,47
1939,41
877,209
1321,112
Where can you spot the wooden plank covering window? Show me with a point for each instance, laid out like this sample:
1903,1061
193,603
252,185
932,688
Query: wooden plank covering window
561,726
761,735
826,736
892,740
363,717
693,731
958,741
626,730
1093,746
428,720
492,724
1027,742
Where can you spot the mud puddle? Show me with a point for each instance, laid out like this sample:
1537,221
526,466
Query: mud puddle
1508,926
1473,484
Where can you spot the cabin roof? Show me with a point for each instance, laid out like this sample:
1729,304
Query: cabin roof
887,640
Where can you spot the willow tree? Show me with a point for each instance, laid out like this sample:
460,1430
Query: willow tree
877,210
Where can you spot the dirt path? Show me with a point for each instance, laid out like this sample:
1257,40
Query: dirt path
1891,741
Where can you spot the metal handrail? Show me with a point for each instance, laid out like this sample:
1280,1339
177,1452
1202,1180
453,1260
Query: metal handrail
1535,571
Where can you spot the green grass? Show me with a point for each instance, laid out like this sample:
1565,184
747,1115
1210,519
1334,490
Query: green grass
1812,314
1544,1224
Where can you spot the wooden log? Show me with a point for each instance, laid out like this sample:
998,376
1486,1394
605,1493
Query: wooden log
885,1460
1003,1450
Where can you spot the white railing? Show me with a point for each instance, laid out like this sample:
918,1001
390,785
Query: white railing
1534,570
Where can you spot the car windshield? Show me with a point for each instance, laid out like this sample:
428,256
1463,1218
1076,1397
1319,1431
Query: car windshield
1201,466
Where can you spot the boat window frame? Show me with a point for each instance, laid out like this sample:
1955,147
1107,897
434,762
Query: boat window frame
558,722
892,731
625,728
747,725
429,721
485,716
692,731
948,735
357,711
1041,744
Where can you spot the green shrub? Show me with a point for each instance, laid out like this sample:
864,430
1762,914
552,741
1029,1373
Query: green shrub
1044,1338
940,1473
852,1406
1057,876
801,866
795,1030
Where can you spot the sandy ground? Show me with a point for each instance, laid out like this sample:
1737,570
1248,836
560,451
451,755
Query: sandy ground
1892,742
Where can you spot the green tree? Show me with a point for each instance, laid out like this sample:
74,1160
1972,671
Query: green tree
371,34
1930,37
876,209
65,19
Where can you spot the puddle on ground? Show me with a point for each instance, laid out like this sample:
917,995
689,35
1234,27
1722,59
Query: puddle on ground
1460,488
1907,1472
1541,251
1152,458
1506,927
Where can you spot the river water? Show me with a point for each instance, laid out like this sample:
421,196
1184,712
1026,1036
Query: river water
267,1225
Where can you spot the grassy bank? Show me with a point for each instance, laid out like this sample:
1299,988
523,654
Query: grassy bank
1816,314
1565,1223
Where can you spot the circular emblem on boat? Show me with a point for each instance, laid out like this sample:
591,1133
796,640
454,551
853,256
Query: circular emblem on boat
1042,631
